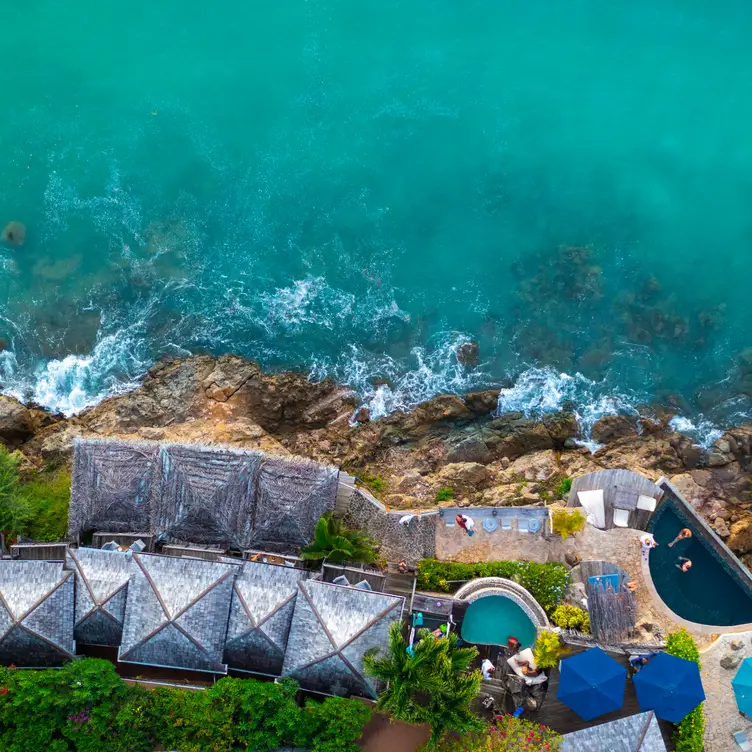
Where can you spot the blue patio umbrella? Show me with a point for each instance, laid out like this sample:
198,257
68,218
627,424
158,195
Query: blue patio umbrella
591,683
742,685
669,686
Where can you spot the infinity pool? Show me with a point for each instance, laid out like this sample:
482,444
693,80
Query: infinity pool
493,619
710,592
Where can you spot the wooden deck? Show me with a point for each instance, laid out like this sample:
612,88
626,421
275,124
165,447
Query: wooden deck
613,482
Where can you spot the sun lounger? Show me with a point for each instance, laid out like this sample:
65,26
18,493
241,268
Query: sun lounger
522,525
592,503
742,741
646,502
526,655
506,523
621,518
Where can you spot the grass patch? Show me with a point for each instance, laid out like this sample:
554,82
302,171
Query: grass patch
444,494
373,483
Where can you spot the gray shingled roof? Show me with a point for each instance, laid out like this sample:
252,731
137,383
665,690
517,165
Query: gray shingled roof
176,612
36,613
332,629
101,590
636,733
263,601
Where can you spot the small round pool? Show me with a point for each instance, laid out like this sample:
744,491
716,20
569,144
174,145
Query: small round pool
493,619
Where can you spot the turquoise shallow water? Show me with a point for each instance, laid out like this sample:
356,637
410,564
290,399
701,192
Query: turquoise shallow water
355,189
492,620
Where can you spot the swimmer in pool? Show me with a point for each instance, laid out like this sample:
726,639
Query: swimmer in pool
684,564
683,534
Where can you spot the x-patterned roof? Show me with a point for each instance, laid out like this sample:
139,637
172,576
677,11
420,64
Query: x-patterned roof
176,612
332,629
36,613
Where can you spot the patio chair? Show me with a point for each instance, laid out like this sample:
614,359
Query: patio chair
592,503
647,503
742,741
364,585
340,580
522,525
621,517
506,523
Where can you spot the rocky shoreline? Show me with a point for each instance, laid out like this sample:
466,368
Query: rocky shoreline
449,442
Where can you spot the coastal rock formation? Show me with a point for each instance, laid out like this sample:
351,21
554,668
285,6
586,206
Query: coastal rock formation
448,442
14,233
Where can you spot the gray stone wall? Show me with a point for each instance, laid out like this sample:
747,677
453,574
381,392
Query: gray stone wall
396,542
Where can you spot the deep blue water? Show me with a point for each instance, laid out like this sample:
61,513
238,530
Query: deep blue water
355,189
706,594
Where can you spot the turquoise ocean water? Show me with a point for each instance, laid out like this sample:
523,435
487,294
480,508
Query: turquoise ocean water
356,188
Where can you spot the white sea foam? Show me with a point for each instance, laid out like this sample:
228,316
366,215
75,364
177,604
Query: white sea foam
703,432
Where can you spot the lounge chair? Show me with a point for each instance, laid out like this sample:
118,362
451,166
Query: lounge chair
522,525
341,580
646,502
742,741
592,503
506,523
621,517
363,585
526,655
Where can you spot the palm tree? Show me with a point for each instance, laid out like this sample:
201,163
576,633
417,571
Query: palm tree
433,685
334,542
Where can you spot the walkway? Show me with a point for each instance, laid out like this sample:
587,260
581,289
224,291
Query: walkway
722,717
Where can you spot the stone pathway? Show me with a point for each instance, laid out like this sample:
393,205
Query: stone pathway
722,717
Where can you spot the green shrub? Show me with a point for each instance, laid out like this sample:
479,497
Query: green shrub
571,617
336,543
563,489
689,735
547,582
547,650
86,706
48,497
373,482
507,734
444,494
566,523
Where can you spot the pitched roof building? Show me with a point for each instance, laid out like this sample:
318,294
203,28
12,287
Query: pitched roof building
263,601
636,733
176,612
332,629
36,613
101,590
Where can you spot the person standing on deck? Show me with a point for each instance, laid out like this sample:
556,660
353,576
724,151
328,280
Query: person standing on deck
466,523
486,668
647,541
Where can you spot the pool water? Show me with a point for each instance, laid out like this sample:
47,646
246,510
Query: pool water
493,619
709,593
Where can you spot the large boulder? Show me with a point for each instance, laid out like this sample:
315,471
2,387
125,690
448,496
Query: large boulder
501,496
14,233
740,536
538,466
512,435
16,421
482,403
465,477
561,426
472,449
612,428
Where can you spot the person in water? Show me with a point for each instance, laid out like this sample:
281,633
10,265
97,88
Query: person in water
684,564
684,533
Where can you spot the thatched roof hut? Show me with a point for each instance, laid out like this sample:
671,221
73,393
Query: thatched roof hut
176,612
333,627
36,613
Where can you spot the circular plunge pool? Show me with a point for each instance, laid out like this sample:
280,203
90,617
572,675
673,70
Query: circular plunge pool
493,619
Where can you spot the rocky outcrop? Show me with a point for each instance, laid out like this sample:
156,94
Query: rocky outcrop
447,442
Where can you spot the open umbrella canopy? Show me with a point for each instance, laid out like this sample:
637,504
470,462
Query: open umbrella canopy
591,683
670,686
742,685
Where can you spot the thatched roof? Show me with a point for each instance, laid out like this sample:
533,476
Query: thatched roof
176,612
193,494
36,613
636,733
263,602
101,590
332,629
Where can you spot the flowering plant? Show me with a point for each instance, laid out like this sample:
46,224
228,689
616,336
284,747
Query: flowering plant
506,734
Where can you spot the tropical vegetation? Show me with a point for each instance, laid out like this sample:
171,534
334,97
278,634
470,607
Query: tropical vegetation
547,583
335,543
507,734
564,487
33,503
689,735
444,494
86,706
429,683
571,617
547,650
566,523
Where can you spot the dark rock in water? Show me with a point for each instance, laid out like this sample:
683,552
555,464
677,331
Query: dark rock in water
469,354
14,233
16,423
473,449
482,403
363,415
613,427
689,453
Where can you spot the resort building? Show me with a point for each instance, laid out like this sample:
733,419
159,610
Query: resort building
36,614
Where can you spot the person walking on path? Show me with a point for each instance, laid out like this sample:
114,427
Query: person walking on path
684,533
406,519
466,523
